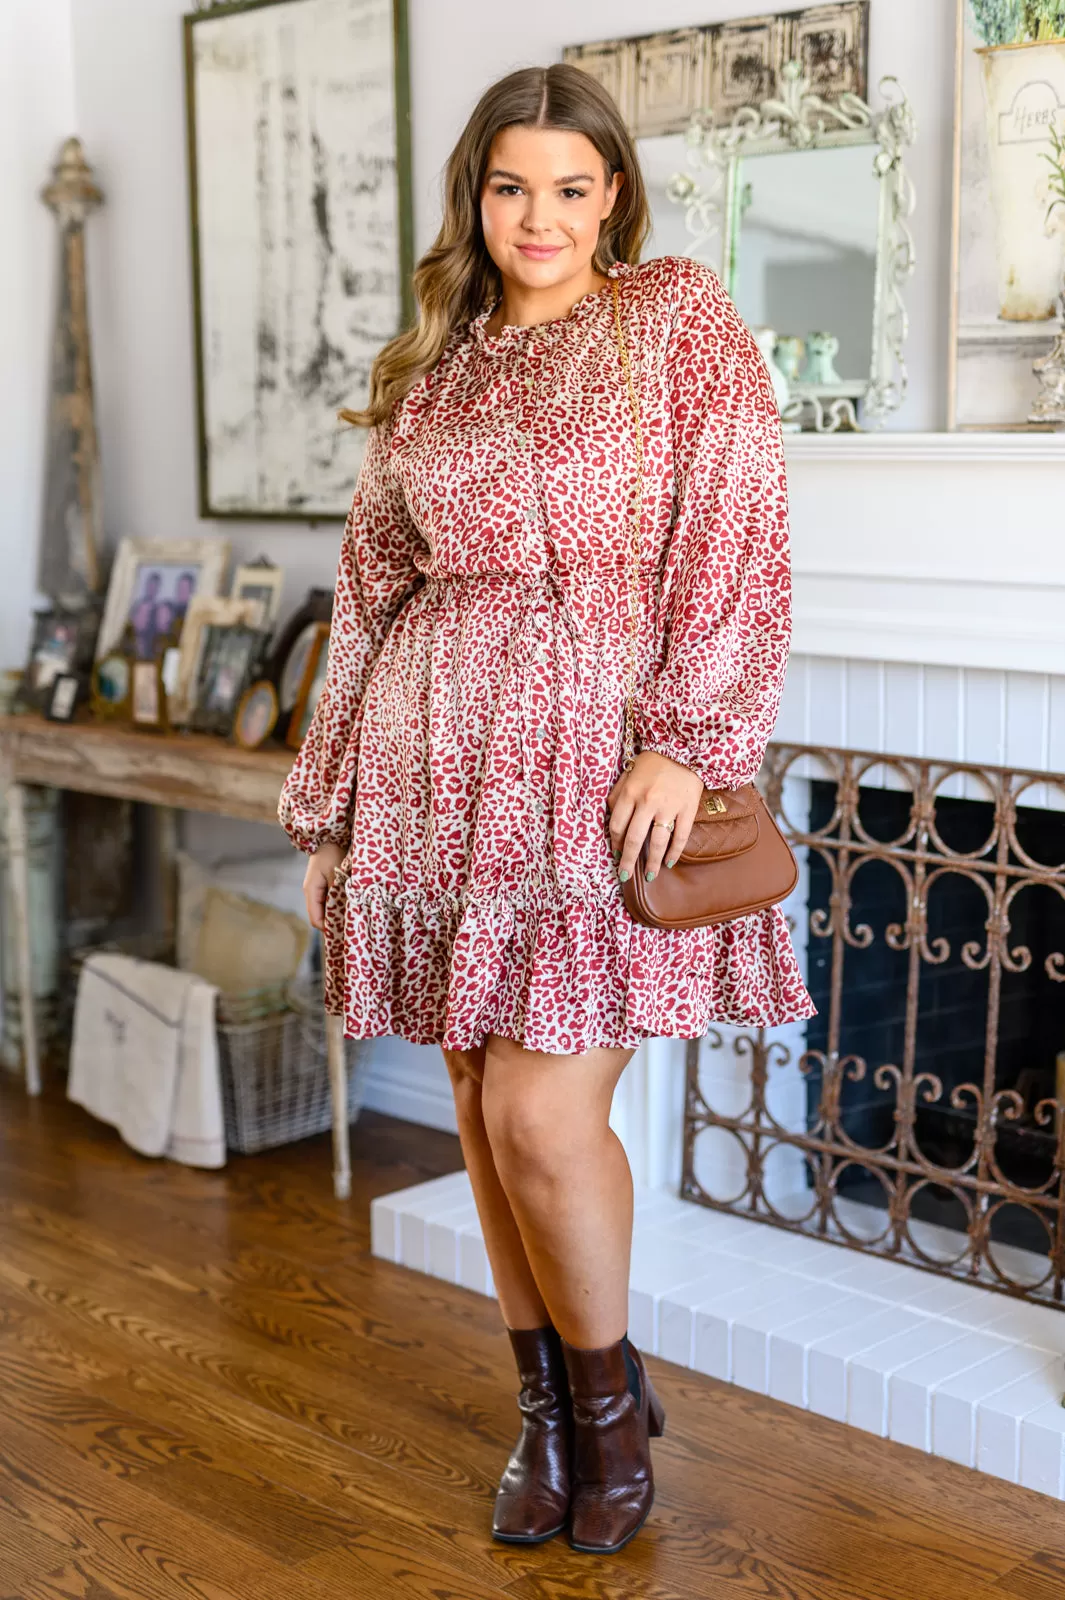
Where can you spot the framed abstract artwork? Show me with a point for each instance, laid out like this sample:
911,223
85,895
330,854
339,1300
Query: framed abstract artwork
298,128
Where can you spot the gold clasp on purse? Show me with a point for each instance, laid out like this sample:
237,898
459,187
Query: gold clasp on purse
714,804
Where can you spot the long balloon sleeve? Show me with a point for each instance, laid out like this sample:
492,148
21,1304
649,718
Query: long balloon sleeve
726,589
376,574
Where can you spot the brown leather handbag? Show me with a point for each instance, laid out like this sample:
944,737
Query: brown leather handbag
735,860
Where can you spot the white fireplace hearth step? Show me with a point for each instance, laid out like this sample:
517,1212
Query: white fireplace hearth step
945,1367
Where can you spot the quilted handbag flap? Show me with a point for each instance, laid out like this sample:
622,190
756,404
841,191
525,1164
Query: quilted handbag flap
725,825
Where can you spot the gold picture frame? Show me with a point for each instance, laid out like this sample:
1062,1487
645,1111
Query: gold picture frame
313,674
204,612
256,715
112,687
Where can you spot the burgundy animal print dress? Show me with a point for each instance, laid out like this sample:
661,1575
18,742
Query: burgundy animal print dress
471,722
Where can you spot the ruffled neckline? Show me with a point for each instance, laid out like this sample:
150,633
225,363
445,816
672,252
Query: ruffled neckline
515,336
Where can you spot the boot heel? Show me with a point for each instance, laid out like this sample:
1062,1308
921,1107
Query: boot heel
656,1416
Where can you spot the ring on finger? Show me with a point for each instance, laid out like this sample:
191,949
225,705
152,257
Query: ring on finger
669,825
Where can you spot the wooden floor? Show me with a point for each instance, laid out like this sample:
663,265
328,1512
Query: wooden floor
210,1389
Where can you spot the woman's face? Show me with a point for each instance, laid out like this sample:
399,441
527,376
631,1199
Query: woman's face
544,195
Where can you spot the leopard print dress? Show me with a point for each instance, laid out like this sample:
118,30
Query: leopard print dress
471,722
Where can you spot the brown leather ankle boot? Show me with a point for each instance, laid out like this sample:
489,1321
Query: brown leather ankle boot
613,1484
533,1497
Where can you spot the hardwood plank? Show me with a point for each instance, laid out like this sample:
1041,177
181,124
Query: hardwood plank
127,1536
231,1432
25,1552
1040,1578
85,1423
261,1285
446,1441
76,1582
375,1564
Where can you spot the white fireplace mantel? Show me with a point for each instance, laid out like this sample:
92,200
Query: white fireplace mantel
897,448
942,549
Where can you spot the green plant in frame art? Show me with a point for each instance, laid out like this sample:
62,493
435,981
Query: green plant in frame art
1001,22
1056,162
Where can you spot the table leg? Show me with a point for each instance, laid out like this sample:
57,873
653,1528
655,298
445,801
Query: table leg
166,840
338,1088
18,851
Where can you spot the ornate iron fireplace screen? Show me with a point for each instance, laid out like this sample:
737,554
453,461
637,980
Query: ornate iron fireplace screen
903,1170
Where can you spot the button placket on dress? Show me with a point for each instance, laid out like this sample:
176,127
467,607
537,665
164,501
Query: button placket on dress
524,440
555,587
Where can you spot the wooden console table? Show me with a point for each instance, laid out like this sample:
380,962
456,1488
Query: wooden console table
182,772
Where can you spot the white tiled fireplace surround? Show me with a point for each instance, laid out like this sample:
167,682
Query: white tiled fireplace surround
929,606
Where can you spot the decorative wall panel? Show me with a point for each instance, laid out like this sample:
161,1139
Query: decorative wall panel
660,79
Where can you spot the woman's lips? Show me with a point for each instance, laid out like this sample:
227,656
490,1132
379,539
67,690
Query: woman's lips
539,252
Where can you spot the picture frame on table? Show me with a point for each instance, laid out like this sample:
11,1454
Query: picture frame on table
147,707
230,660
153,584
61,645
112,687
329,79
206,611
256,715
67,693
262,582
314,667
288,655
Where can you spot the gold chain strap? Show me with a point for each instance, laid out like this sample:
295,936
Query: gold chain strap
637,524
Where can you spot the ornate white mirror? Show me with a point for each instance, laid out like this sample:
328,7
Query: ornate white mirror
802,205
762,156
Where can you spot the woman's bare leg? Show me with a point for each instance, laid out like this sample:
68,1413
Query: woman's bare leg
567,1178
520,1300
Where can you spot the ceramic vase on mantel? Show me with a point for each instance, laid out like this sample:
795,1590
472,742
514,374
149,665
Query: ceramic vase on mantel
1024,92
766,340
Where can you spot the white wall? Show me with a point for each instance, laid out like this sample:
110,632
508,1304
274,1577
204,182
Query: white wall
36,113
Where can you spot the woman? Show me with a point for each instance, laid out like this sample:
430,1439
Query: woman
460,788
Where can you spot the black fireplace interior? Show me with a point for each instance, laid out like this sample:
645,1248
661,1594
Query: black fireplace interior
952,1014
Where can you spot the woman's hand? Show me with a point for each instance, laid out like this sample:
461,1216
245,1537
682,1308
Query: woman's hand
655,789
318,879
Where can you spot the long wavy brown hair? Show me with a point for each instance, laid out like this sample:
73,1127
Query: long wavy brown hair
456,277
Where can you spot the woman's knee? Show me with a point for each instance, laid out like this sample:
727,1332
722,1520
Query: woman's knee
536,1124
466,1071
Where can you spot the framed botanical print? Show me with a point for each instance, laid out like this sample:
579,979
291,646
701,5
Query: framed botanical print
298,130
1008,217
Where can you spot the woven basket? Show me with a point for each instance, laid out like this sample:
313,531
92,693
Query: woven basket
274,1068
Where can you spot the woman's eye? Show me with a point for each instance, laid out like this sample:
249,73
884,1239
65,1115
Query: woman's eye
514,188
